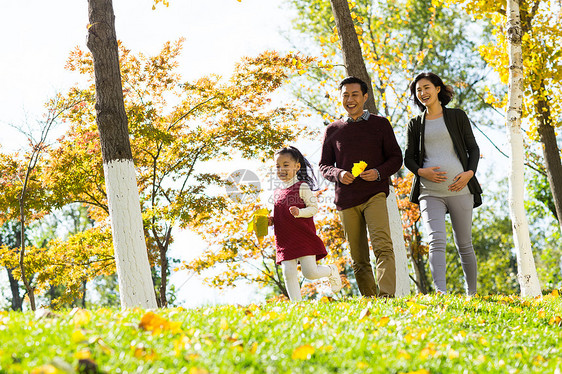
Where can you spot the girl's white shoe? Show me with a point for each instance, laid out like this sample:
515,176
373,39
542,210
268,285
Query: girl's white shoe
334,278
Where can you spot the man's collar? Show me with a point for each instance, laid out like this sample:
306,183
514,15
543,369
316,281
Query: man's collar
364,117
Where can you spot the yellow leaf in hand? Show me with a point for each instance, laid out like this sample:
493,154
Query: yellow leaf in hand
358,168
259,223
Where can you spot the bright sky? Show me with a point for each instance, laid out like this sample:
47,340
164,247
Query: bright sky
39,34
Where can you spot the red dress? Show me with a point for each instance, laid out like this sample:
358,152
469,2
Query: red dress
294,237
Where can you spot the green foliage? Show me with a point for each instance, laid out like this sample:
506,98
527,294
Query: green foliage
423,334
399,39
106,291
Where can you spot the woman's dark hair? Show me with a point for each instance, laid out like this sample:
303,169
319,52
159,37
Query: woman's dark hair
305,173
444,96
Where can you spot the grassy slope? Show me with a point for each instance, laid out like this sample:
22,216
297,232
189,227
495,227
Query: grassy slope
422,334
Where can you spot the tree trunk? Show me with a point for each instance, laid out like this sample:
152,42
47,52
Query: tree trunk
17,301
397,234
527,273
133,270
83,298
419,266
551,154
351,49
163,276
355,65
24,277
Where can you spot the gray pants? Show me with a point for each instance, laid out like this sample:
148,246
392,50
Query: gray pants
433,210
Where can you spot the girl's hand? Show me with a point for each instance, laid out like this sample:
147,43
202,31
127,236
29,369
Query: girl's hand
294,211
460,181
270,220
431,174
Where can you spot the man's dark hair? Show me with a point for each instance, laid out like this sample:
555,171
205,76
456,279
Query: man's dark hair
351,80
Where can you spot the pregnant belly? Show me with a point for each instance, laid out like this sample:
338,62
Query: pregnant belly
452,171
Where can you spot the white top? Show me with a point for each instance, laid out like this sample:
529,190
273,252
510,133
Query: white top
307,196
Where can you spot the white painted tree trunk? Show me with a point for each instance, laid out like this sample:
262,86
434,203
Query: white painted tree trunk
397,235
133,269
527,273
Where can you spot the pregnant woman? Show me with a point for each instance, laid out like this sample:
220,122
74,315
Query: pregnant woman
442,153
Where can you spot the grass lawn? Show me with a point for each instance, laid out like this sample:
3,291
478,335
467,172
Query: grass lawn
420,334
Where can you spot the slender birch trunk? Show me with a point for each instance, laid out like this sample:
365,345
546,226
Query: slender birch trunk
136,288
527,273
355,65
397,235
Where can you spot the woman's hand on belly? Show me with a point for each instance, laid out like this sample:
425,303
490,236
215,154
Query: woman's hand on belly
433,174
460,180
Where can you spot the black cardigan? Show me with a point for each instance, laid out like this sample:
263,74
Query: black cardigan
464,144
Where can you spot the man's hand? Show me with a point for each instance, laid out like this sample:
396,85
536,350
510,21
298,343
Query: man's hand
294,211
270,220
431,174
369,175
460,181
346,177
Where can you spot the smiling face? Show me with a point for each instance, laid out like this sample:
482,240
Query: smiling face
353,99
286,166
427,93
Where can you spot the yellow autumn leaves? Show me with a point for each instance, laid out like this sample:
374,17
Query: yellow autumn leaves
358,168
156,324
258,223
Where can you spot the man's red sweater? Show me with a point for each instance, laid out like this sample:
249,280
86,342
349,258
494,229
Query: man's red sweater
372,141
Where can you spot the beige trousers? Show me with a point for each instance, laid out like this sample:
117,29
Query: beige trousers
371,217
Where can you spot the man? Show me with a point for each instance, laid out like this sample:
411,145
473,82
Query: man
361,200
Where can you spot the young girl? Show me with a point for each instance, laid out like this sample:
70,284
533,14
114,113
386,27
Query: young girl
295,233
442,153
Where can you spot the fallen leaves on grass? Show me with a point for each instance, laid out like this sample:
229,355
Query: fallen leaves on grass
364,314
142,352
198,371
151,321
556,320
45,369
80,317
304,352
